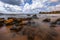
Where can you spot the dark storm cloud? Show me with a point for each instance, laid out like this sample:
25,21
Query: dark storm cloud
13,2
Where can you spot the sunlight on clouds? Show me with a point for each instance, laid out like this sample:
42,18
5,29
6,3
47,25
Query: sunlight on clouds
54,0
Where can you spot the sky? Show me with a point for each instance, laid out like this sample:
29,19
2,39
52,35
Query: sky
29,6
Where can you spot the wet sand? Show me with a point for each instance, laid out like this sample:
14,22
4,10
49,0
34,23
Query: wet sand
5,33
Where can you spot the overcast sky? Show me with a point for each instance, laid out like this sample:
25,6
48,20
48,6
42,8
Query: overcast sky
29,6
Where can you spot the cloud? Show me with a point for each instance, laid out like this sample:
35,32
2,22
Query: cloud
35,7
42,5
9,8
2,9
13,2
55,8
54,0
